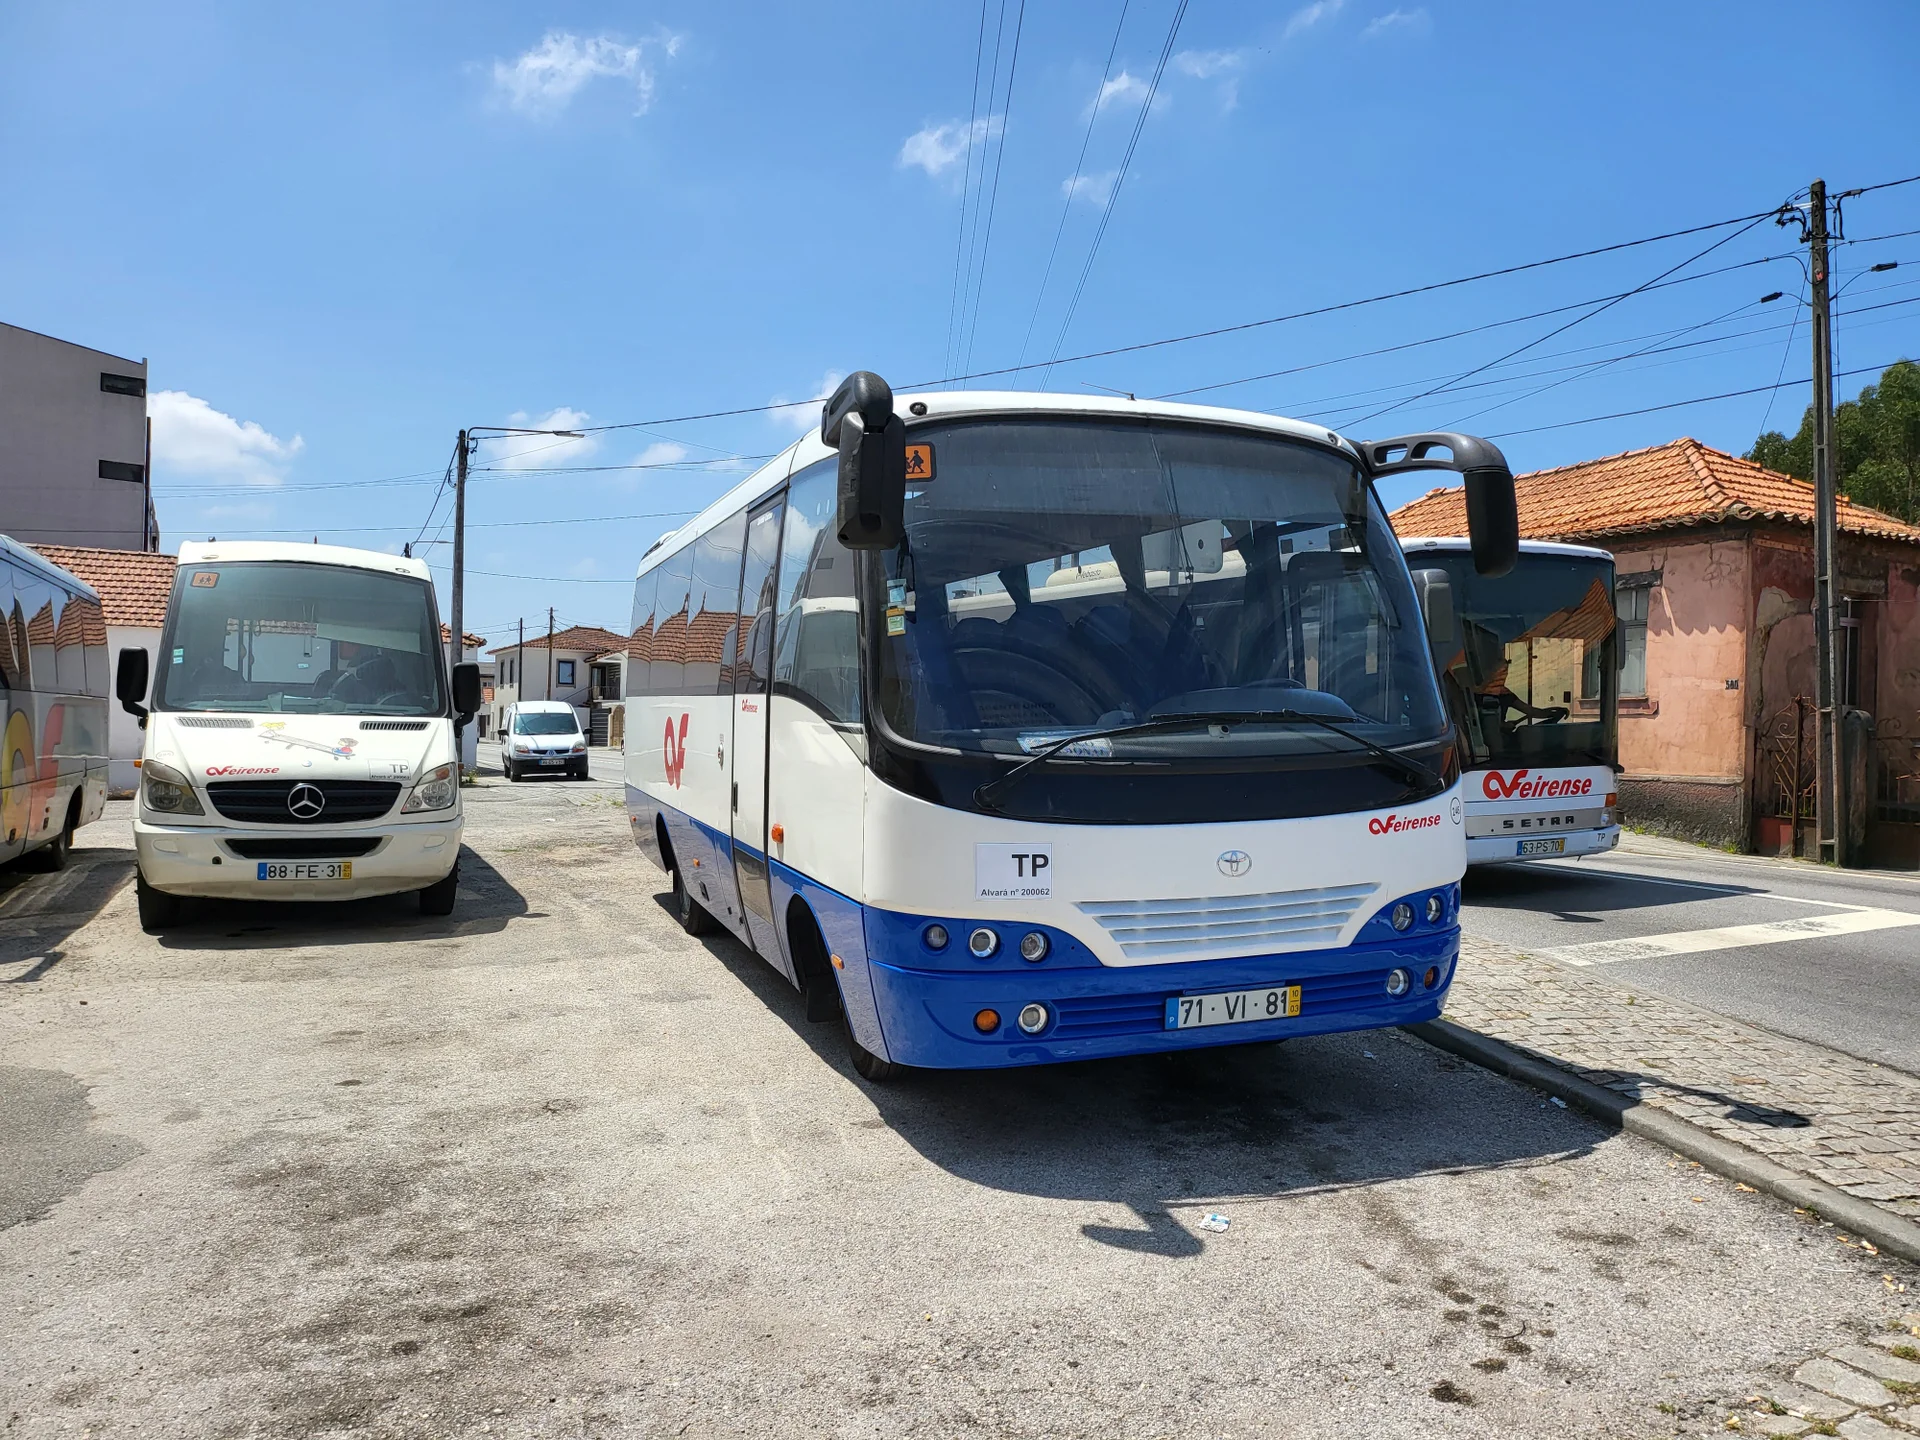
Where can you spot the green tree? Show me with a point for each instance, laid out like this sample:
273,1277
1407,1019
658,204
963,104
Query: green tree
1877,437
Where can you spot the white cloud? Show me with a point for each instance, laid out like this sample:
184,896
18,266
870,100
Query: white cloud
1398,22
1205,64
937,148
1096,190
539,452
804,415
1308,16
544,80
1222,65
662,452
192,440
1123,89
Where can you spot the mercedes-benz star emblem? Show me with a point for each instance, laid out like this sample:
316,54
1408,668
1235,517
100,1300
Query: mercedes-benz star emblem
1235,863
305,802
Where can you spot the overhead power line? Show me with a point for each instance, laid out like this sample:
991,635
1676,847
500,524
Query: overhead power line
1119,179
955,304
993,195
1679,404
1073,180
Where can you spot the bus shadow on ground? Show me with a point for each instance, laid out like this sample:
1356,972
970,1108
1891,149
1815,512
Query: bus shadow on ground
1579,895
1174,1137
41,909
487,904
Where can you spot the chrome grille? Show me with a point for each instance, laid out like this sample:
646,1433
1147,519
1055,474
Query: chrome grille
1220,925
264,802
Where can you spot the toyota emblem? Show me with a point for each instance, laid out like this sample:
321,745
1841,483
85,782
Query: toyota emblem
305,802
1235,863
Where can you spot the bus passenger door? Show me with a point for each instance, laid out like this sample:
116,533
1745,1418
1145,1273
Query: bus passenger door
752,666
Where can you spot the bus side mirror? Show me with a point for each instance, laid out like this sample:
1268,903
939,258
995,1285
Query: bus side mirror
130,682
1493,514
872,440
1435,590
1493,519
466,690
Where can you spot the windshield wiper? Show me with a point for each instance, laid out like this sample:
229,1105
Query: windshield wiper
1410,768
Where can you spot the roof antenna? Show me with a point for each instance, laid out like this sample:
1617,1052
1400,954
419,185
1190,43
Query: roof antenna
407,550
1108,388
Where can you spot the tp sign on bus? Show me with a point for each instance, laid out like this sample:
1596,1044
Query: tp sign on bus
1013,872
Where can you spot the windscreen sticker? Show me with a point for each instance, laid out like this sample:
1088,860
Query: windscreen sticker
205,579
919,462
179,655
1013,872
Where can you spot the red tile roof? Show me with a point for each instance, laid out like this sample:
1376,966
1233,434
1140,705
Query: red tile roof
474,642
133,584
1665,487
590,638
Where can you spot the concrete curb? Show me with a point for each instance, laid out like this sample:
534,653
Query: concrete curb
1890,1233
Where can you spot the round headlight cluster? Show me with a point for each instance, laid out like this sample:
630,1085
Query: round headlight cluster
1398,982
1402,916
1033,1018
935,936
983,943
1436,907
1034,946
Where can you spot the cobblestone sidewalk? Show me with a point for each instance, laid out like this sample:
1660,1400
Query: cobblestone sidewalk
1859,1392
1852,1124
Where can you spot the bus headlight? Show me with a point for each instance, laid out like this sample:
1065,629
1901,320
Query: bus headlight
434,792
983,942
1402,915
1436,907
1398,982
1033,1018
1034,946
166,790
935,936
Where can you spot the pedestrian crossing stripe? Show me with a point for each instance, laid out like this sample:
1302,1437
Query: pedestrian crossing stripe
1731,937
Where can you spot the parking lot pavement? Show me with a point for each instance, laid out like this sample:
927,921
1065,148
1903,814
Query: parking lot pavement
550,1167
1831,957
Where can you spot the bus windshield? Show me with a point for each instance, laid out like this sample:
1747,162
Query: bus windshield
1533,681
1061,575
303,639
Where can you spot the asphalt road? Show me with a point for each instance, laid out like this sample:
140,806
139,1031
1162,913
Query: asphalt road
1852,989
550,1167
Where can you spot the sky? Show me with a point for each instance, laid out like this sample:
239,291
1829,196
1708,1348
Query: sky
341,233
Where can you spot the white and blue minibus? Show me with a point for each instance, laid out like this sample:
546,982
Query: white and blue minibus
1017,728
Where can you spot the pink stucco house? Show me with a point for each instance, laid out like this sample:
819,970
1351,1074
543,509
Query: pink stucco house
1714,600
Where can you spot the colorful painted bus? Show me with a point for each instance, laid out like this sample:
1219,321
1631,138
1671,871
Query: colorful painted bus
53,706
1531,672
1016,728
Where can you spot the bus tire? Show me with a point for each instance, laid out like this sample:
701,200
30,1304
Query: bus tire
57,852
438,898
870,1066
157,909
691,914
821,992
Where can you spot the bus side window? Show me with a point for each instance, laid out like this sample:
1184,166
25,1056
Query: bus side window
817,639
715,608
640,636
666,673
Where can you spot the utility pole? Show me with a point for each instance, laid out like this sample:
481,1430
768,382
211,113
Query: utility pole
457,641
520,664
549,652
1829,763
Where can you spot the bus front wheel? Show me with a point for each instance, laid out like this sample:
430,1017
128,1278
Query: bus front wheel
157,909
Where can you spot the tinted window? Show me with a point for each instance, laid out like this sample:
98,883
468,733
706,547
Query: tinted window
817,642
304,639
640,633
668,669
547,722
714,608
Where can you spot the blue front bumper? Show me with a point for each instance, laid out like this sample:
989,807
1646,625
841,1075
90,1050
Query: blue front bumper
1097,1011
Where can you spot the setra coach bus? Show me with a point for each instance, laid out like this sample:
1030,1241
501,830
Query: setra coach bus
1017,728
1531,672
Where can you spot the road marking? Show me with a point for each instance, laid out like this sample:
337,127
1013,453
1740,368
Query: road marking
1731,937
1639,879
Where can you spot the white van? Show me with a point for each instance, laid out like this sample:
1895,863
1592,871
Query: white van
301,740
542,735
